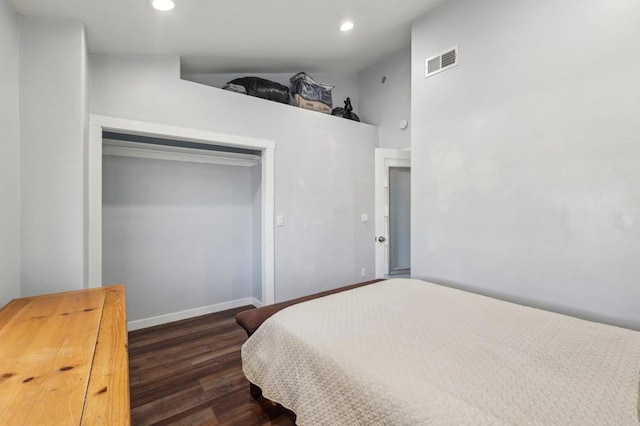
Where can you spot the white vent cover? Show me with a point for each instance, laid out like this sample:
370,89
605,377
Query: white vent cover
442,61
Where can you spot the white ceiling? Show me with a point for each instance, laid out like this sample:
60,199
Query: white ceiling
215,36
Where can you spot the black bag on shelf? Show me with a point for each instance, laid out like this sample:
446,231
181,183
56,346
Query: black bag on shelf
346,112
263,88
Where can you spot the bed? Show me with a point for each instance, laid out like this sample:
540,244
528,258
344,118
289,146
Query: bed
409,352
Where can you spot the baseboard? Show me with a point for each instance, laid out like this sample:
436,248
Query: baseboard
255,302
190,313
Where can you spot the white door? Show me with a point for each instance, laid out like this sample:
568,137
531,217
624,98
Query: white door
385,159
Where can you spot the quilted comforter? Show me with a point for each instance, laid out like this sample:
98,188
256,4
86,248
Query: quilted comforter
409,352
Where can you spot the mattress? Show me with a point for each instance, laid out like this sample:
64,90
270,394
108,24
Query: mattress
409,352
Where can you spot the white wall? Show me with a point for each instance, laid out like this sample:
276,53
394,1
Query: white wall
53,78
178,234
345,84
9,155
256,196
323,164
385,104
525,156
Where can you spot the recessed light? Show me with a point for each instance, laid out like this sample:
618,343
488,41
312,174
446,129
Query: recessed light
162,5
346,26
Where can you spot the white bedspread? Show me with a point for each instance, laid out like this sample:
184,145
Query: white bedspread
408,352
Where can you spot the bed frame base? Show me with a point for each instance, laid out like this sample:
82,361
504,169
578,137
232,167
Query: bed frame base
255,391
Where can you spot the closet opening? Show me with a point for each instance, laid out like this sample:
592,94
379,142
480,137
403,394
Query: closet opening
183,217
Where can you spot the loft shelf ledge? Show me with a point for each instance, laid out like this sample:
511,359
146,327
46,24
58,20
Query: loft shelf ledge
295,108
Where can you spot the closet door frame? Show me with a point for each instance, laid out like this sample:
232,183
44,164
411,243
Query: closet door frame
93,196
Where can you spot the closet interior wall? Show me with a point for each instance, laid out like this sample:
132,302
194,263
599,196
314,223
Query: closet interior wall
182,236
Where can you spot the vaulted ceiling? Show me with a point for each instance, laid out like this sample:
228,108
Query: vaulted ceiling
244,35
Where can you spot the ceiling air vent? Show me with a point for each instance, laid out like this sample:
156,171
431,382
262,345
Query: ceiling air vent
441,62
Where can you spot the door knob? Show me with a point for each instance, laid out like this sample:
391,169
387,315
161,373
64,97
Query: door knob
382,239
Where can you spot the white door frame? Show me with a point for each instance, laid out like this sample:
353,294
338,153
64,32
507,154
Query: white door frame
385,158
93,216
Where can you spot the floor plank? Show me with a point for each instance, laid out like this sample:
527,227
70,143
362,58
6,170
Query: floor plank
190,373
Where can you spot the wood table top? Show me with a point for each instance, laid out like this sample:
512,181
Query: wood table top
63,359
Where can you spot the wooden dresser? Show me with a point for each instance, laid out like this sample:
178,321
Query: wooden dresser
63,359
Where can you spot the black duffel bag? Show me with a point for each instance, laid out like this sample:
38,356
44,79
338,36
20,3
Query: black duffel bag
263,88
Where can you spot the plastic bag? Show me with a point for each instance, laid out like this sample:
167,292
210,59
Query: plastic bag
308,93
346,112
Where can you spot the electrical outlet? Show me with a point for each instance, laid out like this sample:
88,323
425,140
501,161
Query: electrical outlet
363,272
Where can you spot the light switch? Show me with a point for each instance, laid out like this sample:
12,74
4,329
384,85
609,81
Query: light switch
364,217
280,220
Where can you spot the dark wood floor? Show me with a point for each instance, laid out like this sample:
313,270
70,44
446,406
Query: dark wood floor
190,373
